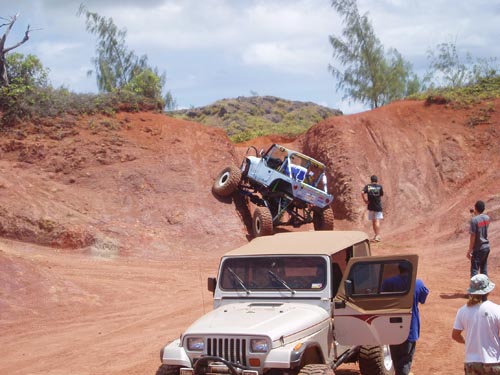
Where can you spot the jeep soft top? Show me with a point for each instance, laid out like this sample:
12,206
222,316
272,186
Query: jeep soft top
305,243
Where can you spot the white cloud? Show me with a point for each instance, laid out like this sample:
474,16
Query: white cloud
52,50
285,57
213,49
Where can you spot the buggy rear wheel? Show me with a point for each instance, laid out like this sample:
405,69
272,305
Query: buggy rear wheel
227,181
323,220
262,222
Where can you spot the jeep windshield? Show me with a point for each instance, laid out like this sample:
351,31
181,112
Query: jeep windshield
301,273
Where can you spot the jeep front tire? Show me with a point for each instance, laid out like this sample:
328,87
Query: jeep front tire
316,369
227,181
168,370
375,360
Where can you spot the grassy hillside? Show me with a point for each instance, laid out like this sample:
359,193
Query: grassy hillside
246,118
243,118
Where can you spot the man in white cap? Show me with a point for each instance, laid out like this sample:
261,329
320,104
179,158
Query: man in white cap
480,319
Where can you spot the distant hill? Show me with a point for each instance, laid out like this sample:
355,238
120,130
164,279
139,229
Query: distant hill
246,118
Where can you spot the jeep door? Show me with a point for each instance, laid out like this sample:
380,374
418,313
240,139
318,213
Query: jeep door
374,301
266,170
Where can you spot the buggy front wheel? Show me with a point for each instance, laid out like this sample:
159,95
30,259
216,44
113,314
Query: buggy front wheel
227,181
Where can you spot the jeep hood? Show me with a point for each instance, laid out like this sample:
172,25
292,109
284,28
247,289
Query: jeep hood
275,320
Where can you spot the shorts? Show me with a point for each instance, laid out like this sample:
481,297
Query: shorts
375,215
477,368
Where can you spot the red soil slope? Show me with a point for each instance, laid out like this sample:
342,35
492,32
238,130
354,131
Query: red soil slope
109,227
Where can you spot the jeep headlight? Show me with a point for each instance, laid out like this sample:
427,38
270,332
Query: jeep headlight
259,346
195,344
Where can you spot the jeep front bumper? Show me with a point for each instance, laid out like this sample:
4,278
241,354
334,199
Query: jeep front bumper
209,365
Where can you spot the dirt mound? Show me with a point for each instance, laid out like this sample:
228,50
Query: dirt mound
138,180
130,229
428,158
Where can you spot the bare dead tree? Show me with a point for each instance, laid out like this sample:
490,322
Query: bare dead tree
4,79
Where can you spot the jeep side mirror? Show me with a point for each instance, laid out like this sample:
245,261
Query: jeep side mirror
212,283
261,153
348,288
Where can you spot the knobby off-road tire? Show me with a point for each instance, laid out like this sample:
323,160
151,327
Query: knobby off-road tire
168,370
316,369
262,223
227,181
323,220
375,360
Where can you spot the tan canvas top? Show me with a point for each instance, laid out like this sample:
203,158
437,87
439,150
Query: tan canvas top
303,243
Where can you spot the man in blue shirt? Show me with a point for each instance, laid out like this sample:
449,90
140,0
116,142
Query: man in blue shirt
402,354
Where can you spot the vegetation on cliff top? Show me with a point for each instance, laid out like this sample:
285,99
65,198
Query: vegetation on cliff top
246,118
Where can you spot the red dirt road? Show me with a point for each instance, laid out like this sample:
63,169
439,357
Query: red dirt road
138,192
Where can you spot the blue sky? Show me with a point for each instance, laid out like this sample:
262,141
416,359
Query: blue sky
216,49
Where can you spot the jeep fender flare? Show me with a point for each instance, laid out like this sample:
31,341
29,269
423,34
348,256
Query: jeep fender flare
287,356
308,353
175,354
284,185
245,167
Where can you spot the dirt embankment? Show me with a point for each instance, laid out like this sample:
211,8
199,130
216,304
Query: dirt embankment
131,230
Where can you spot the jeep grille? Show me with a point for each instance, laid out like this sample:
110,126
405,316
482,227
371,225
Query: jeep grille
233,350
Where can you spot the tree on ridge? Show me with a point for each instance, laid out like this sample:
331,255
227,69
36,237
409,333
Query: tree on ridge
4,79
368,75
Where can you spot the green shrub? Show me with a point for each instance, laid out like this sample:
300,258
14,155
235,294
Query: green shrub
463,97
20,102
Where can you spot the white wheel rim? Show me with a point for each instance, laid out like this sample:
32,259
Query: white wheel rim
387,358
224,178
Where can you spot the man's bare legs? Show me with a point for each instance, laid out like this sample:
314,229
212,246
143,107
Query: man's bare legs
376,229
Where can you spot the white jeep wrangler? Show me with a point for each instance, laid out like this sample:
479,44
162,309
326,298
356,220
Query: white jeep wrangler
298,303
288,188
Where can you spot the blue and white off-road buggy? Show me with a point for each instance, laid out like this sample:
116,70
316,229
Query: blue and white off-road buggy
288,188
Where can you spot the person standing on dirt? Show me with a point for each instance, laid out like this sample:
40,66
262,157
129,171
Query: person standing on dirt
371,195
479,245
480,319
402,354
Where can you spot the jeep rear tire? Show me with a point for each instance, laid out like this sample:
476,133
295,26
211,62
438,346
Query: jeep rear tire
168,370
227,181
375,360
316,369
262,222
323,220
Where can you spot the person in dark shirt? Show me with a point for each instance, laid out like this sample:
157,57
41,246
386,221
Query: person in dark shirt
371,195
479,245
